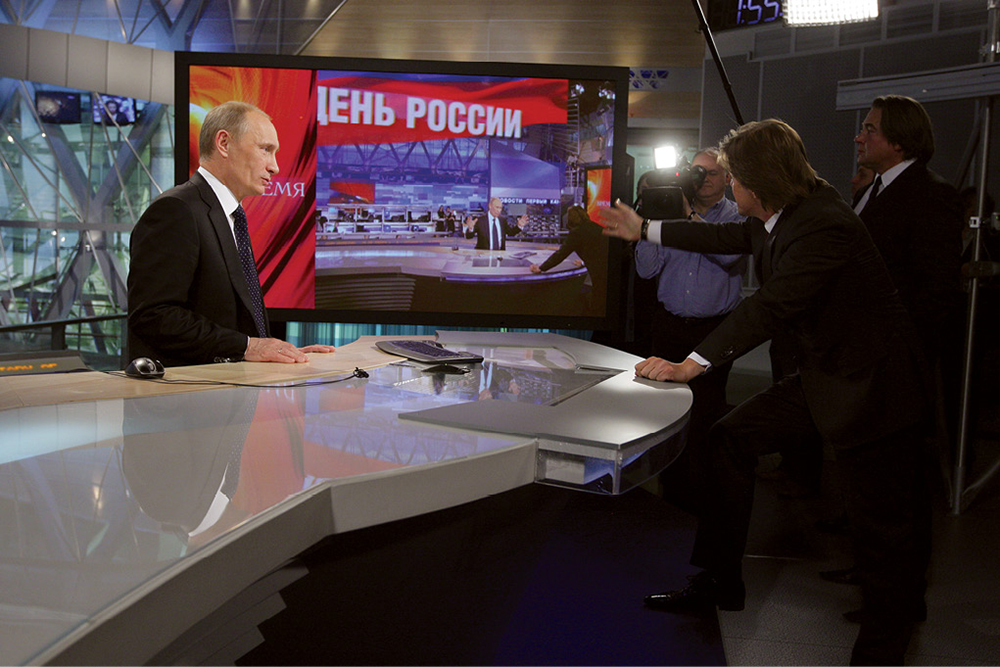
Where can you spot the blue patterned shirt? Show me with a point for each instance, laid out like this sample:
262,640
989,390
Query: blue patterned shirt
692,284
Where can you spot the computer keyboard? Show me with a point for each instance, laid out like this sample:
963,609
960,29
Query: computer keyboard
426,351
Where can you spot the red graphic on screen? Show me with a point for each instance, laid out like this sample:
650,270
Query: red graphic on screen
598,192
282,227
376,110
354,192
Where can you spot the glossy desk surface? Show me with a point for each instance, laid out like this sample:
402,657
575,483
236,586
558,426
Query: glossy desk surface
130,510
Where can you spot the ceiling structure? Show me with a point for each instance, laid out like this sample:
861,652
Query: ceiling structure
70,193
658,37
609,32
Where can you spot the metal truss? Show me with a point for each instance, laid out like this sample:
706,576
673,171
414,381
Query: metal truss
69,196
252,26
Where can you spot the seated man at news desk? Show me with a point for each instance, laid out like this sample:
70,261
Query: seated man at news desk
194,296
491,230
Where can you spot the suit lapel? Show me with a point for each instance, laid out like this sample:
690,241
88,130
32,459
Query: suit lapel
224,233
767,253
888,196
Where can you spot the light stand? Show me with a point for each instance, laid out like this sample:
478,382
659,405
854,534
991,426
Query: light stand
959,491
718,60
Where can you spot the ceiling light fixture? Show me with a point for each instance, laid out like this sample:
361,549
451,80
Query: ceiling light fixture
829,12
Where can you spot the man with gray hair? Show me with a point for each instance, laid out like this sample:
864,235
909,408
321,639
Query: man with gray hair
694,294
194,296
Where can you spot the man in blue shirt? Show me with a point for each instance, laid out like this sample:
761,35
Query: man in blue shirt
695,292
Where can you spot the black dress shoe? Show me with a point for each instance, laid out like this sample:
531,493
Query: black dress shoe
846,576
703,593
838,525
854,616
918,615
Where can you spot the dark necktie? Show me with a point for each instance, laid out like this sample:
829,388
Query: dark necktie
249,268
875,188
765,268
231,481
236,432
494,235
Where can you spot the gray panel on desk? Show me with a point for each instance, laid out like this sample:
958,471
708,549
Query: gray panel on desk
566,421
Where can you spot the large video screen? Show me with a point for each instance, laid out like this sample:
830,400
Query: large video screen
391,173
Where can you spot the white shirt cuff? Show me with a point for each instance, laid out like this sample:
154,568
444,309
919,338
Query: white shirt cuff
653,231
700,360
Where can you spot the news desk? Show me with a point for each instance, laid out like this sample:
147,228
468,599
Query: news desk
433,273
134,511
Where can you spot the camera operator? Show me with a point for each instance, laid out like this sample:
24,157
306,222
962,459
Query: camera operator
694,293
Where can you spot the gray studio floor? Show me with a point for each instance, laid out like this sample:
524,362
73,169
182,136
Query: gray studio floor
793,617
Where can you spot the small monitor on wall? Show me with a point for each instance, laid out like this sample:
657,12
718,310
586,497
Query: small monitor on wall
404,159
113,110
56,106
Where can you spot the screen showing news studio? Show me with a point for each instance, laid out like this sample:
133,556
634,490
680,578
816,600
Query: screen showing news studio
385,171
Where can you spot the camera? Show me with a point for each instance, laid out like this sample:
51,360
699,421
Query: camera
665,189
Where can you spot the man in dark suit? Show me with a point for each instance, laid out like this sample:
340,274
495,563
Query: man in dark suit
914,216
491,230
858,386
194,296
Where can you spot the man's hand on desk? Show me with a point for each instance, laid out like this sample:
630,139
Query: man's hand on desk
273,349
662,370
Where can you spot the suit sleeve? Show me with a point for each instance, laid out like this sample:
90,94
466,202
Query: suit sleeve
559,255
935,258
511,227
166,274
808,262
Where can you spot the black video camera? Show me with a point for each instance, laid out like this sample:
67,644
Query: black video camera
665,189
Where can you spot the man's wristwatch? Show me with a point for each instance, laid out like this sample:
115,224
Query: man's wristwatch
644,230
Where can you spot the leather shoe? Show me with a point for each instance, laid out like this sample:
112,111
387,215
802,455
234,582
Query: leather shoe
846,576
838,525
919,614
703,593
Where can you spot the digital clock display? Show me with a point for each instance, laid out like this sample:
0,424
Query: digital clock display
729,14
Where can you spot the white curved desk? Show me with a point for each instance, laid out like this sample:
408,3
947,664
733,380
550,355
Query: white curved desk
131,511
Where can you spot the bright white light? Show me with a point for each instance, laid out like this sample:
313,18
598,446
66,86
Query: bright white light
826,12
665,157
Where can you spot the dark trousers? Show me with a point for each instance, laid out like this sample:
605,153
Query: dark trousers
673,338
887,501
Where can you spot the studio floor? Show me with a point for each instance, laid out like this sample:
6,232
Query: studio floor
547,576
793,617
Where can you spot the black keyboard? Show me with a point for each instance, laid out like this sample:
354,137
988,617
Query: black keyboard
426,351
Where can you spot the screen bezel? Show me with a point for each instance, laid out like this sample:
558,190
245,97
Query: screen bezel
613,319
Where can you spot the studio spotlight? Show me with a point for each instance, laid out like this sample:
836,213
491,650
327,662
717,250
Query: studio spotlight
665,157
829,12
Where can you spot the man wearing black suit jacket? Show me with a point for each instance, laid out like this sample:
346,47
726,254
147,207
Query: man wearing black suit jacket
915,217
858,385
491,230
189,295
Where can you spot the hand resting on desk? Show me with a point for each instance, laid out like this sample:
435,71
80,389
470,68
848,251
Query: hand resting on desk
275,350
659,369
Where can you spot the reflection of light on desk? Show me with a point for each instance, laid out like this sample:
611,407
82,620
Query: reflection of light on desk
34,431
515,277
384,252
